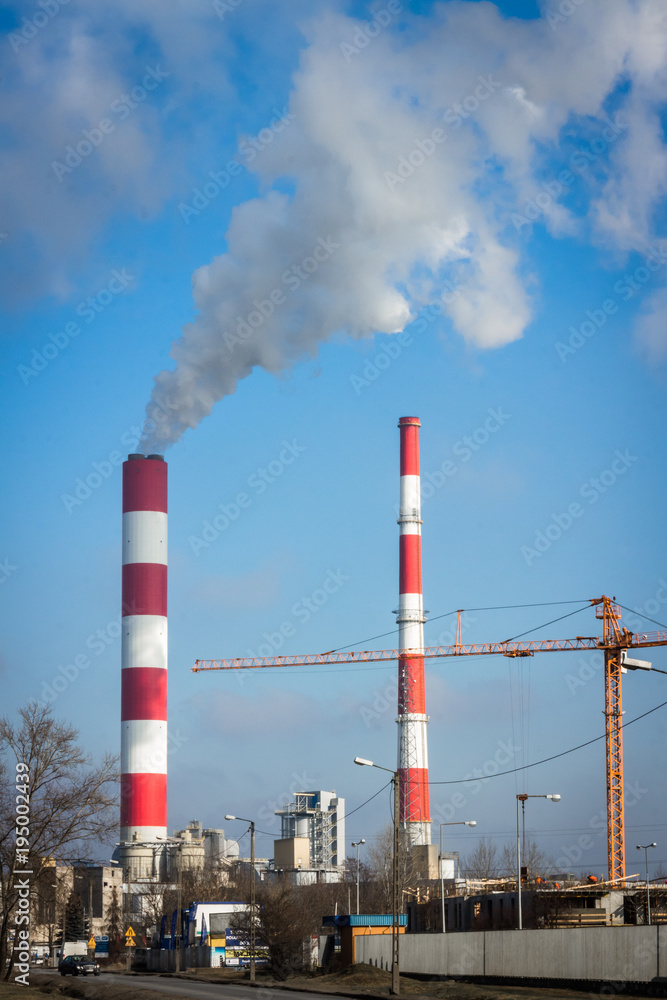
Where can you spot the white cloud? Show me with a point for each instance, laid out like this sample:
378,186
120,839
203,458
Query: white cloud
380,213
403,210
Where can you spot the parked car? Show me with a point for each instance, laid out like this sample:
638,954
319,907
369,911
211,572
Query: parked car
78,965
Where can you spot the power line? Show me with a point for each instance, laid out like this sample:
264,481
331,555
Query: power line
645,617
435,618
544,625
564,753
541,604
368,800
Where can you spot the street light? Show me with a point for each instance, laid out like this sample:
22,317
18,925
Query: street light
522,799
252,892
395,977
179,896
357,844
463,822
128,906
644,848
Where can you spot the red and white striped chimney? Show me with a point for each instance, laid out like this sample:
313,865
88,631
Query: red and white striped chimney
412,749
143,810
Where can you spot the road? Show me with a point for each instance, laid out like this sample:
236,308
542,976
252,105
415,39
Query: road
204,991
190,988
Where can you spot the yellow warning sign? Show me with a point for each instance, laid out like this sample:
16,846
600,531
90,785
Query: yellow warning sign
92,942
130,942
129,932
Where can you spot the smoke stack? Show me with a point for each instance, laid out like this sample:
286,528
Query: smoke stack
143,811
412,749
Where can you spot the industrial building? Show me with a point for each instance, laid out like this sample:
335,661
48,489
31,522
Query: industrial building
200,847
318,818
98,886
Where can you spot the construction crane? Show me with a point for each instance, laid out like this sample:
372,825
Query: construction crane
614,642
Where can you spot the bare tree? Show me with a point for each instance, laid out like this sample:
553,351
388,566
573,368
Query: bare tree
483,862
380,860
55,802
660,874
208,884
287,914
538,863
152,905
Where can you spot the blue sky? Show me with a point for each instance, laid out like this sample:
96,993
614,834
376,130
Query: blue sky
503,278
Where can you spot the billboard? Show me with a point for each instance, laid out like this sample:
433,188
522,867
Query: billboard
237,951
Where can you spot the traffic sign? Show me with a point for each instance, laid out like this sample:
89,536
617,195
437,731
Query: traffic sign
92,942
129,932
130,943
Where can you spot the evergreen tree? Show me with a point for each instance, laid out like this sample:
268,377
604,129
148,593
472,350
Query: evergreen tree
114,927
74,922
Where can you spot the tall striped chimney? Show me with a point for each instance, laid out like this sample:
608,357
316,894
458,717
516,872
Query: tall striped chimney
412,749
143,810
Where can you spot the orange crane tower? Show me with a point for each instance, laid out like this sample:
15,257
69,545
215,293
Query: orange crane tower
614,643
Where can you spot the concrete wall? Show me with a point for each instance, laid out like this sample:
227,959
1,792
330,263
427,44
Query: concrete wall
618,954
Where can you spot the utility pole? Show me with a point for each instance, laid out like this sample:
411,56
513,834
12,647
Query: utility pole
128,956
396,901
644,848
462,822
252,891
357,845
522,799
395,974
179,906
252,901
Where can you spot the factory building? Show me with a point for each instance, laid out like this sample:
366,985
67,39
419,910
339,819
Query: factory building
97,886
312,834
199,848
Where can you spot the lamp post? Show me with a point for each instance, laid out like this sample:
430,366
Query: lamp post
252,892
179,894
395,975
644,848
127,904
357,843
522,799
463,822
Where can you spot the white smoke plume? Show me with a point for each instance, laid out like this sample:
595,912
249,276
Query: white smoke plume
400,178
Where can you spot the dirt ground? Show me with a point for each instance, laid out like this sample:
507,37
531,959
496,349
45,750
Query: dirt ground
362,980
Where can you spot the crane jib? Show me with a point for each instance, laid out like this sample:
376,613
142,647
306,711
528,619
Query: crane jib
512,649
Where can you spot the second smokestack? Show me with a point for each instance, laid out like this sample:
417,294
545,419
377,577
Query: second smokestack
412,718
